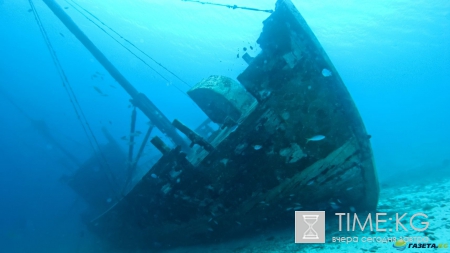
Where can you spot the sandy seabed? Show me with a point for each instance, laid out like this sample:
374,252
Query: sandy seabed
431,198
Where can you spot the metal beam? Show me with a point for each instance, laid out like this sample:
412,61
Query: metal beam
139,100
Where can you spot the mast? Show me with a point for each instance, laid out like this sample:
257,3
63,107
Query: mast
139,100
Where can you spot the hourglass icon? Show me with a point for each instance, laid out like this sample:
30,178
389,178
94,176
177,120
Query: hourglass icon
310,220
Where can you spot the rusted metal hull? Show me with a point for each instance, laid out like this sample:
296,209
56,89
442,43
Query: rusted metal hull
262,167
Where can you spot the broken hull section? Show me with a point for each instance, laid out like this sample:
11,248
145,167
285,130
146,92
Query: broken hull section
261,168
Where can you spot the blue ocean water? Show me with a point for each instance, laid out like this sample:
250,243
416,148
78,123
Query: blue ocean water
393,56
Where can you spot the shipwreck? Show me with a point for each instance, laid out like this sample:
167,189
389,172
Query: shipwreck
257,168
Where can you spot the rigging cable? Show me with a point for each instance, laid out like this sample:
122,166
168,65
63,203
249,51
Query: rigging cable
129,42
229,6
74,101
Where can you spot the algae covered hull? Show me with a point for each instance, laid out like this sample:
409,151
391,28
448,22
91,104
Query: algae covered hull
259,167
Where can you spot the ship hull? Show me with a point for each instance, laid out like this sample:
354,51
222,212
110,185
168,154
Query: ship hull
263,166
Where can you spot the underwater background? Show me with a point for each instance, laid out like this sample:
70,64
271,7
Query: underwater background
393,56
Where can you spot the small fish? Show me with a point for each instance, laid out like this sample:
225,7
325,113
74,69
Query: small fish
257,147
99,91
251,48
112,86
334,205
237,56
245,49
315,138
61,34
97,76
326,72
154,175
131,143
124,138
